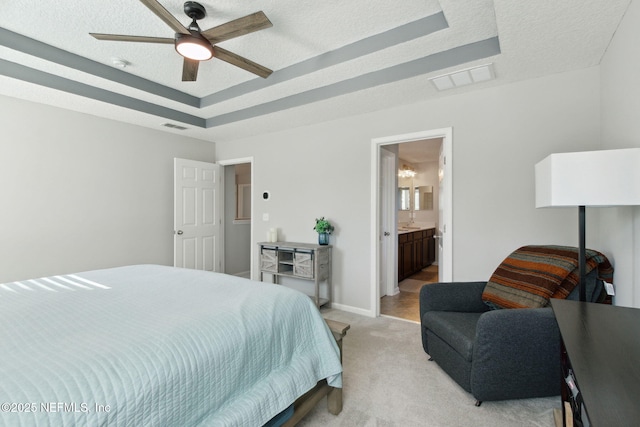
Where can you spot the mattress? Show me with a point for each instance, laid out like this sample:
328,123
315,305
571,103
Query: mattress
152,345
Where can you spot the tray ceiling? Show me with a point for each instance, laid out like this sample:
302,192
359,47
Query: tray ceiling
330,59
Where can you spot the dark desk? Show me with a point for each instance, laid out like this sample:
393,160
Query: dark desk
603,348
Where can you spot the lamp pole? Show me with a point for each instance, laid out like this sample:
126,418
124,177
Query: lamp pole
582,253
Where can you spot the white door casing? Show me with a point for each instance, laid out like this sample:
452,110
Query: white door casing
445,214
388,230
441,229
223,236
197,218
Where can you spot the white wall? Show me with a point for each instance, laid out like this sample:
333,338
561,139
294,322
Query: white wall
80,192
620,227
498,136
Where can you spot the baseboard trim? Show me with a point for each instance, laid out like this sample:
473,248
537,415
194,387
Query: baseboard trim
400,318
352,309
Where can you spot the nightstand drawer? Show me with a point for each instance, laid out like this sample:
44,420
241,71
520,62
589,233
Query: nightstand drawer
269,260
303,264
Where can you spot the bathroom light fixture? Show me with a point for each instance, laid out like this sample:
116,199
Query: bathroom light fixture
406,172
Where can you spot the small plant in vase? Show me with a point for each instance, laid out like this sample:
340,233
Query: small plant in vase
324,228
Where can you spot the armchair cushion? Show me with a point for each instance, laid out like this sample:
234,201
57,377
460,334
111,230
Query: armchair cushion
531,275
455,328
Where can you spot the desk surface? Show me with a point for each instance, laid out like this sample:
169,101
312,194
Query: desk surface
293,245
603,345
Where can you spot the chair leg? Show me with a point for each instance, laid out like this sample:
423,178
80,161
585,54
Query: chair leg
478,402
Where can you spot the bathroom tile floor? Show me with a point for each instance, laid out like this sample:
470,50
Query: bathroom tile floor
405,305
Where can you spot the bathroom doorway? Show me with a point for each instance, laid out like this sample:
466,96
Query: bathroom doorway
422,207
417,207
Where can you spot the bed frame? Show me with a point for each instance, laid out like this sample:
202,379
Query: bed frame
310,399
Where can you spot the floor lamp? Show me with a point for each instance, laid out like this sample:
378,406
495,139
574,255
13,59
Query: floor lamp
588,178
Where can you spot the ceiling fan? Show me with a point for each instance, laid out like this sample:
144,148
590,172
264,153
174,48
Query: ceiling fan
196,45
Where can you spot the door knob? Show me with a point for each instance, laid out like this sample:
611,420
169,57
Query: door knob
179,232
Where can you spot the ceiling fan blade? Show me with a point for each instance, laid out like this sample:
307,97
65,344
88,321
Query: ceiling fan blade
190,70
123,38
241,62
164,14
238,27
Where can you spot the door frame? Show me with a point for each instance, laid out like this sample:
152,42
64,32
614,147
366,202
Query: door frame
231,162
446,264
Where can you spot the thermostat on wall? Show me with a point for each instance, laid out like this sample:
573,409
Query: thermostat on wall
265,195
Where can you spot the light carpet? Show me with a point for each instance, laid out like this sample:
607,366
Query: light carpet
388,382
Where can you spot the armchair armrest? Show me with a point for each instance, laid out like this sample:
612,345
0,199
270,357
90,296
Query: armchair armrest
516,354
457,296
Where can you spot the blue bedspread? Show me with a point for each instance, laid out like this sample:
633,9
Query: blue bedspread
157,346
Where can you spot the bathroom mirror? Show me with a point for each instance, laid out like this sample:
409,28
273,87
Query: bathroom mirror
404,198
423,198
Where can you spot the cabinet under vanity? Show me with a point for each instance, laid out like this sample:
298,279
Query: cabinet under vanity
416,250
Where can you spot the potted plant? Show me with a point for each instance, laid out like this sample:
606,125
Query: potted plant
324,228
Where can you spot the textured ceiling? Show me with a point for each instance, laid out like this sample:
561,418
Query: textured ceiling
330,59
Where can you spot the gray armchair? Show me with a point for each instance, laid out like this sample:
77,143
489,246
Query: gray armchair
492,354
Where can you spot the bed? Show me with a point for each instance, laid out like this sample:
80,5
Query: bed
158,346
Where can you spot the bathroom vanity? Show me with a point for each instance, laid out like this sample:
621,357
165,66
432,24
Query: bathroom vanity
416,250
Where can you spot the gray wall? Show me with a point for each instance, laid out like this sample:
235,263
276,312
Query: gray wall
80,192
620,227
498,135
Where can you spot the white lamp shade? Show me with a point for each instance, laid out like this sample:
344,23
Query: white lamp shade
589,178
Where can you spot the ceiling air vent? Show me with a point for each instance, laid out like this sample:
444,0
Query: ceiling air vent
172,126
464,77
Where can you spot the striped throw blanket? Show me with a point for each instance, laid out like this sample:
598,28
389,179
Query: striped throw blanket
531,275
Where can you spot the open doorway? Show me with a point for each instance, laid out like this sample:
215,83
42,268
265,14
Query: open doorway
385,188
237,218
416,207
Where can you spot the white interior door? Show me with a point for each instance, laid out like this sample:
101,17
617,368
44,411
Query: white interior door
388,229
444,237
197,216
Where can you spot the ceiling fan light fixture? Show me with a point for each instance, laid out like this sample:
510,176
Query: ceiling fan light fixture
193,47
196,46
